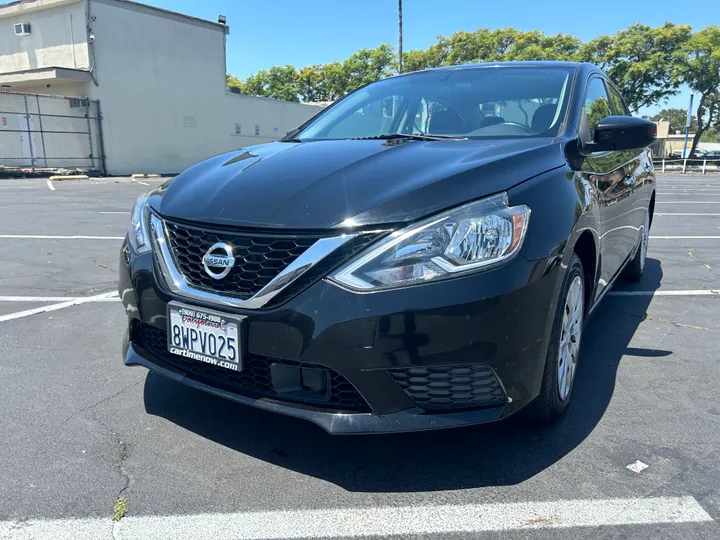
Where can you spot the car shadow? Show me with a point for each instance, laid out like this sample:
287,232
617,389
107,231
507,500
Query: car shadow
487,455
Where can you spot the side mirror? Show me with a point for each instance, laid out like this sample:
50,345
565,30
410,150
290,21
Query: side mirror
292,131
622,133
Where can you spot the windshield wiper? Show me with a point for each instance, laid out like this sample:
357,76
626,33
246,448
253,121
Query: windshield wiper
289,140
409,136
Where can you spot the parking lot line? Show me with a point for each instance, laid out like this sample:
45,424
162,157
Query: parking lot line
47,237
361,522
49,184
55,307
696,292
54,298
683,237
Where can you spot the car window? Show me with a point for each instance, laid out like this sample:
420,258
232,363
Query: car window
473,103
373,118
616,102
596,107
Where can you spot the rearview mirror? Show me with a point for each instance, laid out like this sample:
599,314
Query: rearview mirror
622,133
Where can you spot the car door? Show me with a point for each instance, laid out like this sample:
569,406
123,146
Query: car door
639,171
613,178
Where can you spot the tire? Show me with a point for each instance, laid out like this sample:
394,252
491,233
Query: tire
556,390
635,268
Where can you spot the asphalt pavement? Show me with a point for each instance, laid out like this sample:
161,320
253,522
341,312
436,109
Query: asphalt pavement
79,430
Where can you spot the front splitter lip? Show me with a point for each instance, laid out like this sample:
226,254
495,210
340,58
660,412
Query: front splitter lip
334,423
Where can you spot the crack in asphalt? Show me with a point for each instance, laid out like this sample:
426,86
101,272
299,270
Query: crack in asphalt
119,464
123,449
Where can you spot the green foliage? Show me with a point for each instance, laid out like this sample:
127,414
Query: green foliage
677,119
120,509
641,60
369,65
233,81
711,135
596,111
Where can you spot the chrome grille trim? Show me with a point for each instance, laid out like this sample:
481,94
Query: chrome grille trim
177,284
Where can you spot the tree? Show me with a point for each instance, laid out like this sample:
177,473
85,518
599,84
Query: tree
369,65
233,81
700,70
648,64
535,45
642,61
677,119
278,83
311,84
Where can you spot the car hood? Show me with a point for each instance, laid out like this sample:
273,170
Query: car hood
349,183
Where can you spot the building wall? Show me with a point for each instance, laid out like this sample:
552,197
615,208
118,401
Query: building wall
58,38
161,85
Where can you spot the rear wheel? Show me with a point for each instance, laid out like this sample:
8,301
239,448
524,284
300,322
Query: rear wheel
634,269
564,347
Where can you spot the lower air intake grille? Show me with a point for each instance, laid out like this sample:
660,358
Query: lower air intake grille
446,388
255,379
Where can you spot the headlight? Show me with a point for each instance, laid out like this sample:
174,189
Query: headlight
474,236
138,229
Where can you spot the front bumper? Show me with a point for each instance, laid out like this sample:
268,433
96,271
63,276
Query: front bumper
495,322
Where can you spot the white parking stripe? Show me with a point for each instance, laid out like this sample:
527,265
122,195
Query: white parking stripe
683,237
47,237
402,521
696,292
55,307
139,182
54,298
50,185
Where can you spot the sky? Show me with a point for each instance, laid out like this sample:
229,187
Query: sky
264,33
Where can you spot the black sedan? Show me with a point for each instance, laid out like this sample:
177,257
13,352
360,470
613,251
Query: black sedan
422,254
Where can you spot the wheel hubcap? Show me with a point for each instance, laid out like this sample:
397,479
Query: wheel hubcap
570,334
644,242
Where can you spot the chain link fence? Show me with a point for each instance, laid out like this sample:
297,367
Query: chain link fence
49,133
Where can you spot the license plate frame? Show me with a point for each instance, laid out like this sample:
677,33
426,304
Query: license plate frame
209,317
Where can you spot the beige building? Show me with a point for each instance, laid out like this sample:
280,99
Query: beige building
159,78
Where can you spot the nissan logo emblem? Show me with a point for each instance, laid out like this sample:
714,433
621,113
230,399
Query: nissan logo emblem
218,260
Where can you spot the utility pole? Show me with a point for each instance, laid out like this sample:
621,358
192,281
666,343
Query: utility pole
399,36
687,126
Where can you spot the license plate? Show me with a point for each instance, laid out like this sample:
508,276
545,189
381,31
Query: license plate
205,336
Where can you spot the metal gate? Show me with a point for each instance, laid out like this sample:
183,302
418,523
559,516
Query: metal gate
46,133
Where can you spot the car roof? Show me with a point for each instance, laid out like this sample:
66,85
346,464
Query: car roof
582,66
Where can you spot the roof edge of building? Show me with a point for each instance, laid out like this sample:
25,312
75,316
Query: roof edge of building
165,13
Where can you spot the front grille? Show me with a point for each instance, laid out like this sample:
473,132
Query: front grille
258,258
446,388
255,379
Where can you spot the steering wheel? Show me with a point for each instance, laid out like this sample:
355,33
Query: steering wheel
516,124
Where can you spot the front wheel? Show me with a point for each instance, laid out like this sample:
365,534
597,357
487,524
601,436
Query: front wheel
564,347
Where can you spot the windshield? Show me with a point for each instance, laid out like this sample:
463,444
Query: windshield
466,103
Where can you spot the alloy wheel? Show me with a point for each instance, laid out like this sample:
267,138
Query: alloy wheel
570,334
